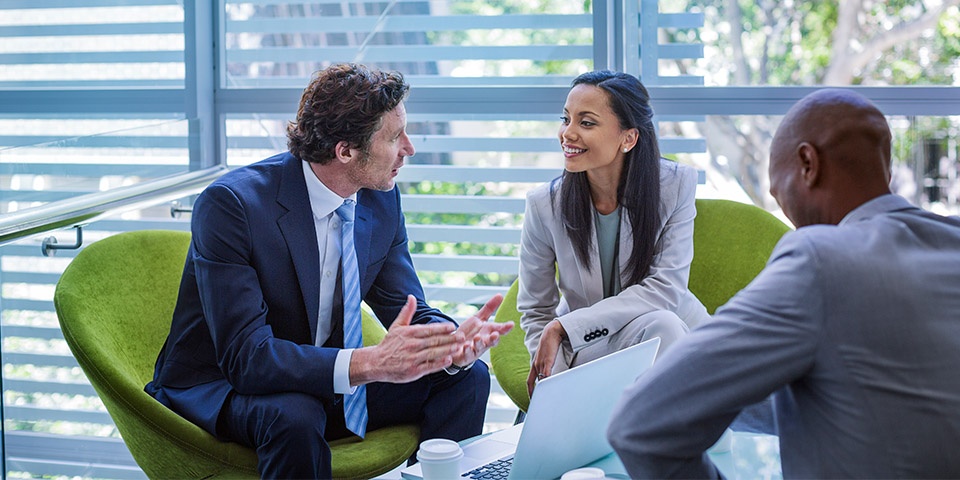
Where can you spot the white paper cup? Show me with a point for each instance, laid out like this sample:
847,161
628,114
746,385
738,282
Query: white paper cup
584,474
440,459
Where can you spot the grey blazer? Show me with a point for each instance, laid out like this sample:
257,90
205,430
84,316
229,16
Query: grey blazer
855,327
576,297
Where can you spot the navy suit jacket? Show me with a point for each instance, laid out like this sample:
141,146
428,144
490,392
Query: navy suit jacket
246,316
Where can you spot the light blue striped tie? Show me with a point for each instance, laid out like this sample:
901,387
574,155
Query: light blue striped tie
355,405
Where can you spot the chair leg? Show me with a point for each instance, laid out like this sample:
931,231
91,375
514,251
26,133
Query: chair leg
521,415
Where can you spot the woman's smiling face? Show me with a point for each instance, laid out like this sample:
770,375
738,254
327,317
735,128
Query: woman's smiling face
590,133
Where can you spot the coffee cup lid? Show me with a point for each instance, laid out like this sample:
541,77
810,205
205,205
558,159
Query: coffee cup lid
439,449
588,473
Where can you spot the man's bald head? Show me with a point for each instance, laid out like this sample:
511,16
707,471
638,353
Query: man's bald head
842,120
830,154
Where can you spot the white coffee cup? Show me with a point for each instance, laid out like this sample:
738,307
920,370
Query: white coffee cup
440,459
589,473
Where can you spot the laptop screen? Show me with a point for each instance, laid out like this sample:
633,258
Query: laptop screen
565,427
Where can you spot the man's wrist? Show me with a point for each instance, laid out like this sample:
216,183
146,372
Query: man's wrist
454,369
341,372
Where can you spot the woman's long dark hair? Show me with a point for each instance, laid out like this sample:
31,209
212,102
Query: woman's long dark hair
639,191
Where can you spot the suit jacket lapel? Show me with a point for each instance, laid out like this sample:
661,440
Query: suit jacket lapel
624,249
591,281
299,232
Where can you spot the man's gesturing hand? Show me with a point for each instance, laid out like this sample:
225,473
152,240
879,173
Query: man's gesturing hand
408,352
479,334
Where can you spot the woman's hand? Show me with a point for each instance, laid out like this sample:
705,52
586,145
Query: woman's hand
546,355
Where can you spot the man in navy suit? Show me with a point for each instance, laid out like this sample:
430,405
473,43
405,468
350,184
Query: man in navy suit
255,352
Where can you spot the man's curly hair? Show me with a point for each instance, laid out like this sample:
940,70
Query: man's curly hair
344,102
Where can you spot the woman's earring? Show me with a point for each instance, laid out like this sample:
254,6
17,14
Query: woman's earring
625,150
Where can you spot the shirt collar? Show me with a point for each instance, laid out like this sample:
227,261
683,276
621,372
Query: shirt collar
882,204
323,201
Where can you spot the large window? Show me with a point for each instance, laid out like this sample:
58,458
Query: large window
885,49
98,94
455,42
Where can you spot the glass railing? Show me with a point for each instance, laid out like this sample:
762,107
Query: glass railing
53,421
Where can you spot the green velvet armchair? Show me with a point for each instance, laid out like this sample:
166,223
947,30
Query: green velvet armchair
731,241
114,303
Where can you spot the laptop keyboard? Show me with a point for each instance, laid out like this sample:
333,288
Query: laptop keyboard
496,469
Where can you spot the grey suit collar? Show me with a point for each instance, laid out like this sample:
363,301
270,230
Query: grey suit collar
882,204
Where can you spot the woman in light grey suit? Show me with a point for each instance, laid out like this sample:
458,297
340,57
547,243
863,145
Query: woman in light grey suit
606,247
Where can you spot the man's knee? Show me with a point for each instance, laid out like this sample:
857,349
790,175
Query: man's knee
294,416
477,379
472,385
289,435
480,373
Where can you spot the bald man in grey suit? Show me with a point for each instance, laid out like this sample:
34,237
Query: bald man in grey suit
854,324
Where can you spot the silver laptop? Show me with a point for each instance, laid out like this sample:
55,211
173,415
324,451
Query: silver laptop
566,422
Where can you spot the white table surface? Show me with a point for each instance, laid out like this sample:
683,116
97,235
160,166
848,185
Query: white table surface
746,456
750,456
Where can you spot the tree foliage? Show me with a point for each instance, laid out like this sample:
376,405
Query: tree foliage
840,42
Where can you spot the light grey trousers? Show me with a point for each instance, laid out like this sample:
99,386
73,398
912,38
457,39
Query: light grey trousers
658,323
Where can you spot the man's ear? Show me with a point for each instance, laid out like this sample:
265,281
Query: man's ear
810,164
345,152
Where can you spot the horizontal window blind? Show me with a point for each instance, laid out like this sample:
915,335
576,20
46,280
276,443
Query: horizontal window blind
91,44
277,44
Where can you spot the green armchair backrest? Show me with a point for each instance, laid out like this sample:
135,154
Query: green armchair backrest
115,303
731,241
731,244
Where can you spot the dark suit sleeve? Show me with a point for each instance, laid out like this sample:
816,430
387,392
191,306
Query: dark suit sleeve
766,337
235,310
397,277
